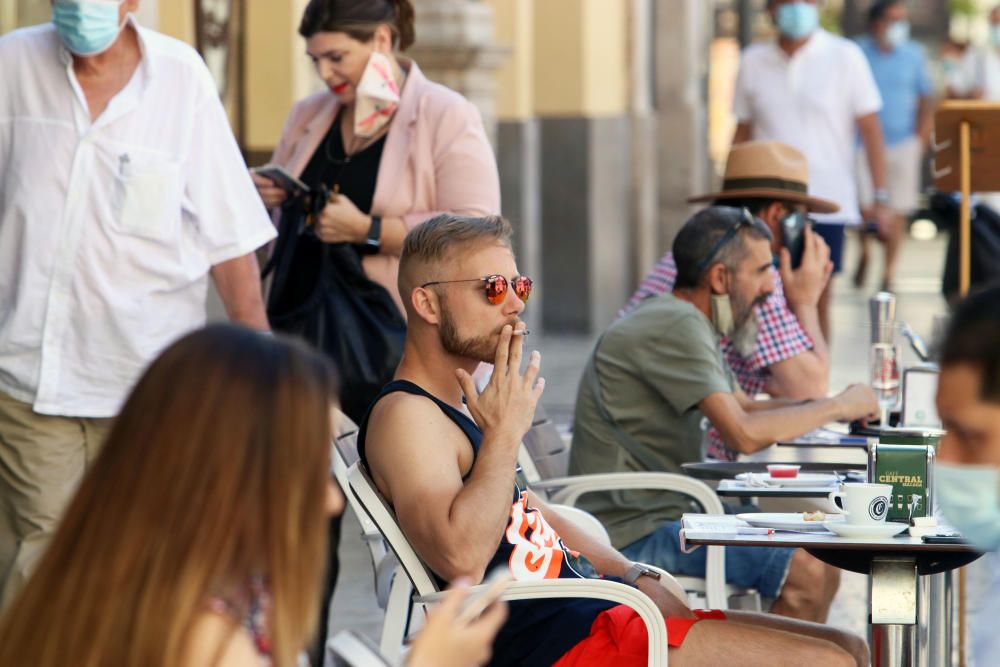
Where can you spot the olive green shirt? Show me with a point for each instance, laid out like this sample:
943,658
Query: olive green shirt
637,409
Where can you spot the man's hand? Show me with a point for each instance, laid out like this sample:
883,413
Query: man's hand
885,221
804,285
666,602
507,404
444,641
857,402
342,222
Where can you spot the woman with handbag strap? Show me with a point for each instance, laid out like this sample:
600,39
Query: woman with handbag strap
382,149
393,148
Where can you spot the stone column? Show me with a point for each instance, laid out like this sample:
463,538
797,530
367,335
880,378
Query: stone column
454,46
581,97
683,29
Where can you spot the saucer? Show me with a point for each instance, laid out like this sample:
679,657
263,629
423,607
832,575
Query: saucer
872,531
787,521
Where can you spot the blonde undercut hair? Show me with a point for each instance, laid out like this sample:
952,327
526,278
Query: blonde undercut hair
440,239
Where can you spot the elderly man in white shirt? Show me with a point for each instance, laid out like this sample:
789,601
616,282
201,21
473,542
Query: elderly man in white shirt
815,91
121,190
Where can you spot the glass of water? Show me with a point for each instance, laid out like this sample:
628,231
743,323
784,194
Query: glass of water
885,377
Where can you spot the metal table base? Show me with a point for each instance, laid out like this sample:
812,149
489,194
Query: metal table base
911,616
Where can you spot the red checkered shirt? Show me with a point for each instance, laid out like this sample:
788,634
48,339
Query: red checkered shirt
781,337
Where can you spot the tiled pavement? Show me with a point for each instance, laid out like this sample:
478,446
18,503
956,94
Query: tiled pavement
563,357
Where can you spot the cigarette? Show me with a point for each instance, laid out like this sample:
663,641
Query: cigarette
521,332
754,531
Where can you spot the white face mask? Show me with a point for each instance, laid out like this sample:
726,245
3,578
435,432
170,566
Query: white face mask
722,314
377,96
898,33
970,499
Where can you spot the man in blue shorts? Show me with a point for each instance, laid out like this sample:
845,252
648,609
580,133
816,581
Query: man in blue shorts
656,373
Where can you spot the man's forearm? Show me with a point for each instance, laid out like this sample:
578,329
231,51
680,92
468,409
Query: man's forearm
238,283
874,143
807,374
763,428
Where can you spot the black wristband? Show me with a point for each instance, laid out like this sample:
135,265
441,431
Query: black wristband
373,243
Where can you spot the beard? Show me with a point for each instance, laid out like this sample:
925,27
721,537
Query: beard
477,348
744,337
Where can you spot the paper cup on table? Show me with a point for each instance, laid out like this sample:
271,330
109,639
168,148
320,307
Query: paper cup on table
863,504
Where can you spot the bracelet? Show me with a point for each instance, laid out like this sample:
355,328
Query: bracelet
881,196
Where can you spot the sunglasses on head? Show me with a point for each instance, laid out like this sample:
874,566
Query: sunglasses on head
495,286
746,220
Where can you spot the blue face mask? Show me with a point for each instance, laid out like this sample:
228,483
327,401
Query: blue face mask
797,19
86,27
969,496
898,33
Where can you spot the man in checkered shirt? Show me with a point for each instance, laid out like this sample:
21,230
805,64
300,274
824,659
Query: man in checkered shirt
790,358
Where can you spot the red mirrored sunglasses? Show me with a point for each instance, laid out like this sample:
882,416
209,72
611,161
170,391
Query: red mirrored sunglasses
495,286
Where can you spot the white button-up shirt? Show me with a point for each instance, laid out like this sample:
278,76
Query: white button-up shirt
811,101
108,229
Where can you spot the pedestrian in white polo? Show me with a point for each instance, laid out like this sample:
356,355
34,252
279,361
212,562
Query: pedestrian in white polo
121,190
815,91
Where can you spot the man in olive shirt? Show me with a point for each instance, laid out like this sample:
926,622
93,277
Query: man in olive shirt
656,373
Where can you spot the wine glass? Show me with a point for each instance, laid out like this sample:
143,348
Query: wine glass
885,376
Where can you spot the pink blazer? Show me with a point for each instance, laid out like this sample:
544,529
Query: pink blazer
436,159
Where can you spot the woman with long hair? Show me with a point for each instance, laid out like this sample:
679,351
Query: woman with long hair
198,537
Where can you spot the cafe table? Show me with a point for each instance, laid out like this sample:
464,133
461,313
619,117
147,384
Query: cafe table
898,568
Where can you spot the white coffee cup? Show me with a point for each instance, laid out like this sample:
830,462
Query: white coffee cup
863,504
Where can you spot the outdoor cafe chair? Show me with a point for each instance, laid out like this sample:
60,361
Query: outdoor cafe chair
350,649
344,454
544,460
426,591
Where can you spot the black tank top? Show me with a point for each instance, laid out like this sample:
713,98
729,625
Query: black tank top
537,632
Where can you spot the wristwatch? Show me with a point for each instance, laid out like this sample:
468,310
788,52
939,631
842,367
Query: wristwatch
639,570
881,196
373,243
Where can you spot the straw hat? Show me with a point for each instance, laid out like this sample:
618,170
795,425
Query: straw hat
768,170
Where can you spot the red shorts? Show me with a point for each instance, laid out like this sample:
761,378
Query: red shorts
618,637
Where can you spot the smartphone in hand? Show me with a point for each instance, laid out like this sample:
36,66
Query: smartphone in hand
281,177
793,235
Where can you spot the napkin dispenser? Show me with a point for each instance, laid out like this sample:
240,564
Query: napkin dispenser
910,470
919,390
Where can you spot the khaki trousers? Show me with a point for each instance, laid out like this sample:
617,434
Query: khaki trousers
42,460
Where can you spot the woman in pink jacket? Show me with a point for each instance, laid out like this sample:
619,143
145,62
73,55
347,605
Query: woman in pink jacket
425,155
393,147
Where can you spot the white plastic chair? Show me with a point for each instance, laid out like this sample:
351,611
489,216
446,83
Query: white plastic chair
350,649
344,454
544,458
426,590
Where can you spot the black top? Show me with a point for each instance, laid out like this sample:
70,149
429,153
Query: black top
537,632
356,174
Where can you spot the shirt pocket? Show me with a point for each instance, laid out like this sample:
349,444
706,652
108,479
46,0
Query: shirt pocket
148,202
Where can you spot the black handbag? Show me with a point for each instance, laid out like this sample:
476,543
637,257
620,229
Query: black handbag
320,293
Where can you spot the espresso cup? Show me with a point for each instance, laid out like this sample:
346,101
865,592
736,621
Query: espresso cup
863,504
